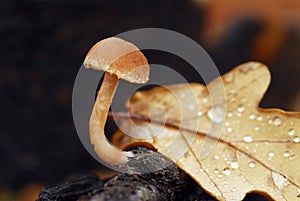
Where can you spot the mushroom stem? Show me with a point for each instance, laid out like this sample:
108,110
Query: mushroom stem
104,149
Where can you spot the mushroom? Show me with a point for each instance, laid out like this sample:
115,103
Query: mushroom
119,59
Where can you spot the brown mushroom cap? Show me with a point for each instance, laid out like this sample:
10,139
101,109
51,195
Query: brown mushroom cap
119,57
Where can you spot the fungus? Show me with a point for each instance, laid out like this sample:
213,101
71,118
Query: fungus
120,60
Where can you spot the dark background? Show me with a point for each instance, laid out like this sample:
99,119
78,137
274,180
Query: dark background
44,42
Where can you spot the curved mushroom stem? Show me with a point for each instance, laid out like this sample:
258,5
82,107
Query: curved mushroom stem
106,151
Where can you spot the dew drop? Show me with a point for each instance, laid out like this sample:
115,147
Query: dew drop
256,128
252,164
241,108
252,116
106,67
229,114
238,114
296,139
260,118
234,189
216,171
234,165
229,130
199,114
271,154
247,138
216,114
216,157
226,171
277,121
292,132
286,154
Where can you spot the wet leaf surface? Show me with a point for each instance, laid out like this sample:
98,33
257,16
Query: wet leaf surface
231,147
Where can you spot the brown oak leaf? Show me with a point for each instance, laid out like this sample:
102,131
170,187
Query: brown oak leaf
229,151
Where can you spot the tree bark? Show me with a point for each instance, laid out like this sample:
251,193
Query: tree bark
169,183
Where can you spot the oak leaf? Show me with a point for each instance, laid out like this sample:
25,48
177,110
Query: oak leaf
257,150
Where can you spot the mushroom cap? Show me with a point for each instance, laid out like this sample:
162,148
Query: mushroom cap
118,57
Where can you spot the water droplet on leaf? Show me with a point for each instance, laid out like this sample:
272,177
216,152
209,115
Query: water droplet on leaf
252,116
271,154
229,130
199,114
216,114
292,132
286,154
226,171
260,118
277,121
247,139
296,139
252,164
229,114
241,108
234,165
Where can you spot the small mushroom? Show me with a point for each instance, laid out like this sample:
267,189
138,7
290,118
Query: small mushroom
119,59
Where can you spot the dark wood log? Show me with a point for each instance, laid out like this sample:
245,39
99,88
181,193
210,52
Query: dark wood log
169,183
71,189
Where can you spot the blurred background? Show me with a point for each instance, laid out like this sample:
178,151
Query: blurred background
44,42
